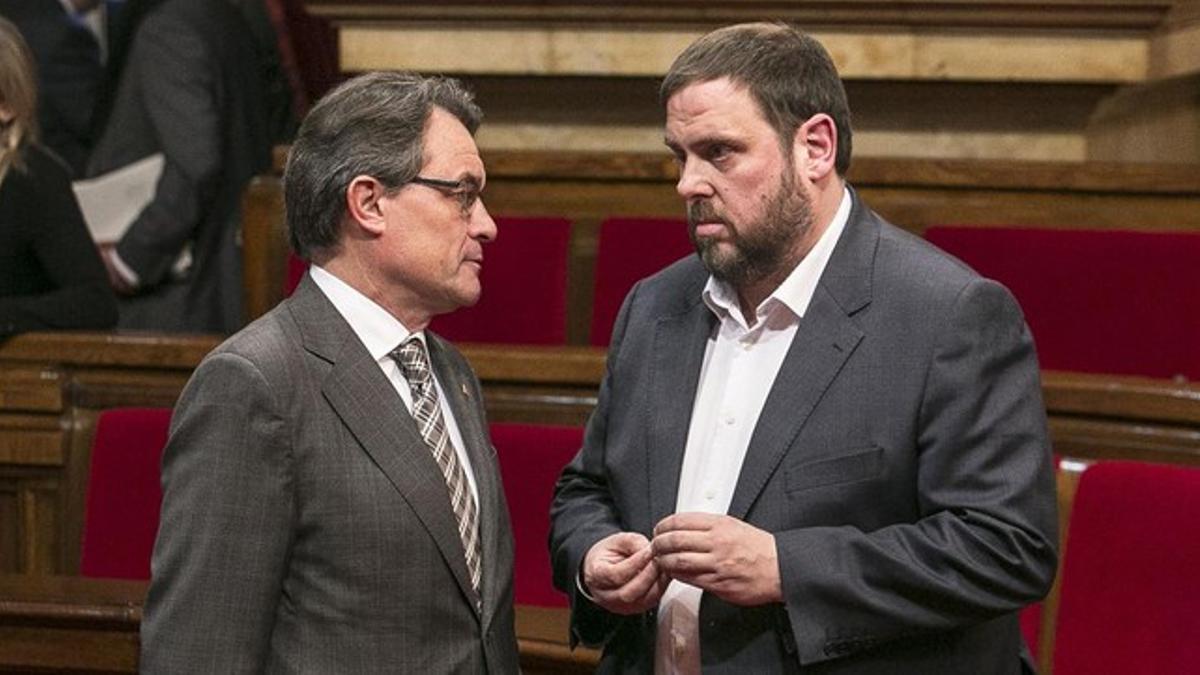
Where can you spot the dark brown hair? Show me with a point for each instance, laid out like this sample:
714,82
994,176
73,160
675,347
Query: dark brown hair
787,72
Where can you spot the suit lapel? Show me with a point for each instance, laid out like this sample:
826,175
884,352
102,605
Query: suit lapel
368,405
824,341
679,345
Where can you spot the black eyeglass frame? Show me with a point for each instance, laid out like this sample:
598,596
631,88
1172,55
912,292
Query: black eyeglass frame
464,190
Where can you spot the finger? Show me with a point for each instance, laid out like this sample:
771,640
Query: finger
626,543
641,586
617,547
610,575
678,565
686,521
678,541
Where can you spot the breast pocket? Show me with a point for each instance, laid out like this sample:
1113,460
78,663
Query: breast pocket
859,464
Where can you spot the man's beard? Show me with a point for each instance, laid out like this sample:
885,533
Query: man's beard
769,245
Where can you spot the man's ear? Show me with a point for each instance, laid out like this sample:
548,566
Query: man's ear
815,147
364,204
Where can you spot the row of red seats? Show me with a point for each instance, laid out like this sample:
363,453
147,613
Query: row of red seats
525,278
1118,302
1129,582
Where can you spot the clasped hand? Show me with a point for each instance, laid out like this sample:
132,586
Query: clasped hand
625,573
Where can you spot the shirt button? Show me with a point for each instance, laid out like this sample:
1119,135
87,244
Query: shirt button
730,420
680,643
710,494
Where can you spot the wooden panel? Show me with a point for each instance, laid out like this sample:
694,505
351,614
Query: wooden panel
91,625
31,440
30,388
69,624
542,636
38,518
153,351
10,526
263,244
1115,15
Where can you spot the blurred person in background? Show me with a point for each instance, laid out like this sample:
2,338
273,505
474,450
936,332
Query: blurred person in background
69,71
50,274
191,89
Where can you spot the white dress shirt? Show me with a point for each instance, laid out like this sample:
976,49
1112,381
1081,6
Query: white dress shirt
380,333
740,365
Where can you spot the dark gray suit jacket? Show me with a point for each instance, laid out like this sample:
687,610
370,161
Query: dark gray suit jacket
191,90
305,525
901,460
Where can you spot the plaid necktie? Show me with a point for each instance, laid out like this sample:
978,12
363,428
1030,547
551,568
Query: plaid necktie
427,412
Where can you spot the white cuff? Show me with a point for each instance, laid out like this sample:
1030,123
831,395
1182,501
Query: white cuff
124,270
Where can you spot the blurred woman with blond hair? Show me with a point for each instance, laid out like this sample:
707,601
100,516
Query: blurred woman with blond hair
51,276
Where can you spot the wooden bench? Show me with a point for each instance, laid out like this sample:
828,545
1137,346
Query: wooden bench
52,385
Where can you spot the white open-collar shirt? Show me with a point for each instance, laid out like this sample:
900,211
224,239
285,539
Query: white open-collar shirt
740,365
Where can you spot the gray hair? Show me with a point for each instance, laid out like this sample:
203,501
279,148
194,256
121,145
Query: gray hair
787,72
370,125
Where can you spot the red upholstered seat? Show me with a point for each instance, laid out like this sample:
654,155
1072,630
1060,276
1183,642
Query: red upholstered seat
1130,580
631,249
531,458
124,493
296,267
1107,301
1031,625
524,287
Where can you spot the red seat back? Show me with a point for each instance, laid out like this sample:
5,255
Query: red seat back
629,250
296,267
1130,580
1096,301
124,493
524,287
1031,626
531,458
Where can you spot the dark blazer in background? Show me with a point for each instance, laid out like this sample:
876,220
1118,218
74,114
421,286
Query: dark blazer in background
191,90
901,460
305,524
69,75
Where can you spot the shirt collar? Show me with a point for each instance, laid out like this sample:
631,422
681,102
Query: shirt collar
796,291
376,328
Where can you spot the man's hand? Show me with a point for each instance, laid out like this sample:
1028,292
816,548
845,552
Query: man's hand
115,279
621,576
724,556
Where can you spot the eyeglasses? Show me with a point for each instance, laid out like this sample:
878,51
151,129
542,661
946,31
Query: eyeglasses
465,191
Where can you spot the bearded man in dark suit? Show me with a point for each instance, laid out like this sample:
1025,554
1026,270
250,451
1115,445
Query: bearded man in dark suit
820,445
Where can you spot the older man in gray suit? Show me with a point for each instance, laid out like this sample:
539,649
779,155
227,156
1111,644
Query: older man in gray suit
331,502
819,446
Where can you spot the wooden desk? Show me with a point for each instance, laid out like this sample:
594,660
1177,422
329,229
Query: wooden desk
69,624
52,386
58,623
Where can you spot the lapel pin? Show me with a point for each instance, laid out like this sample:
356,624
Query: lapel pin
466,393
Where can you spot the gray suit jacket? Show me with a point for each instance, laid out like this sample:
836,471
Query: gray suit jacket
305,525
901,460
192,91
